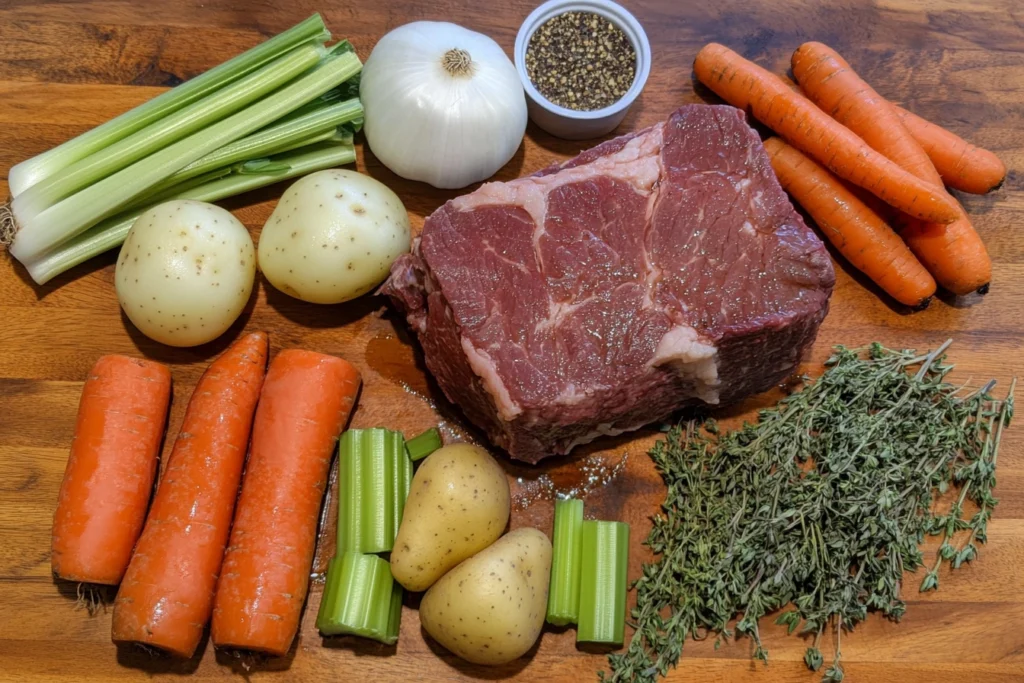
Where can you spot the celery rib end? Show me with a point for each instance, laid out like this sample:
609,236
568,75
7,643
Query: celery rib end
424,444
561,619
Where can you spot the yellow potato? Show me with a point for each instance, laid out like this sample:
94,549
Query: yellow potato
458,505
490,609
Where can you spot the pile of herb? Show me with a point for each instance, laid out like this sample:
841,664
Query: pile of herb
816,510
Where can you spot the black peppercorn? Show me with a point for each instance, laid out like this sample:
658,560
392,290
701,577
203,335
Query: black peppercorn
580,60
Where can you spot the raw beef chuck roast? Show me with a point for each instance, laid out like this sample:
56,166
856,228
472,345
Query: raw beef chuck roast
658,270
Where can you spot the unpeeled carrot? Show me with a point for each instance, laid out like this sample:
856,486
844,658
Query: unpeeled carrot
109,476
961,164
167,592
859,233
829,81
953,253
306,400
746,85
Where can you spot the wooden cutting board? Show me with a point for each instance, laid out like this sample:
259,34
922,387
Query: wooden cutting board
67,66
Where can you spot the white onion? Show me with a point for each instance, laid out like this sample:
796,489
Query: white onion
443,104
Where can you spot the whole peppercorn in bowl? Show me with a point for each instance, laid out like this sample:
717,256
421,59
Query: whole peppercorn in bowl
582,64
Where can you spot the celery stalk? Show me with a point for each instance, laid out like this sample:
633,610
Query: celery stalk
604,562
270,164
32,171
341,135
346,91
79,212
423,445
315,126
159,134
564,589
374,474
360,599
111,232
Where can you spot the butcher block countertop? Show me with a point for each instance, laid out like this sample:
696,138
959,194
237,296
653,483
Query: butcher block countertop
66,66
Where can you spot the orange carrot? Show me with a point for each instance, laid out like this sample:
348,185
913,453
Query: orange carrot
109,475
857,232
953,253
831,84
744,84
167,592
306,401
961,164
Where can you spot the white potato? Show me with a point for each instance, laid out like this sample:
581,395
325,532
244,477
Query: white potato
185,272
333,237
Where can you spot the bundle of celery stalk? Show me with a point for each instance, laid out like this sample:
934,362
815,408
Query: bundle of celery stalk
285,108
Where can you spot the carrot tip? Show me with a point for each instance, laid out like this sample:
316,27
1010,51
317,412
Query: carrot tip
92,597
923,304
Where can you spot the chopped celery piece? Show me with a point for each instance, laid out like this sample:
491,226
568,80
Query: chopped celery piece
394,612
42,166
423,445
360,599
110,233
72,216
159,134
400,487
604,563
564,589
374,473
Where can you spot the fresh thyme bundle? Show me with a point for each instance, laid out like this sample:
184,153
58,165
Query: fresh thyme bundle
818,509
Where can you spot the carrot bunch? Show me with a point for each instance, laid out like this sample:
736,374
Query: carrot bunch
198,554
844,134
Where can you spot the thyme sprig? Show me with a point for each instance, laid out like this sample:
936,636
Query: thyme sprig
816,511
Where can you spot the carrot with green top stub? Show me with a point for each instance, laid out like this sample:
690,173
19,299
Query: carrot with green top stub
305,403
961,165
746,85
860,234
109,476
953,253
166,596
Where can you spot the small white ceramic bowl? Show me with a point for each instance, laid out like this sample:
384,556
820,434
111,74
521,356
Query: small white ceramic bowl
571,124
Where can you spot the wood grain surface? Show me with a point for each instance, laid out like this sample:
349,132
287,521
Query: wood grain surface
66,66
